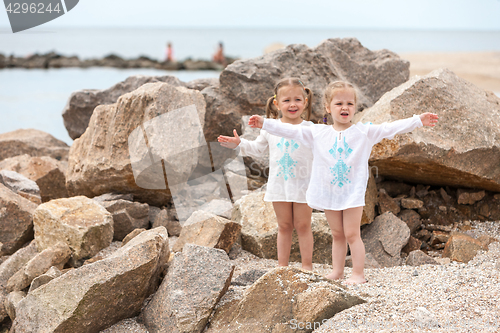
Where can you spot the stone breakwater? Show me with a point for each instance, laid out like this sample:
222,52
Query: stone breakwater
54,60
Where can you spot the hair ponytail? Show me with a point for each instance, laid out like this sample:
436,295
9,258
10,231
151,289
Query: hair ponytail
308,108
271,109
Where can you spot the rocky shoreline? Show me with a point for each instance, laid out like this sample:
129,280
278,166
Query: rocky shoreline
54,60
94,238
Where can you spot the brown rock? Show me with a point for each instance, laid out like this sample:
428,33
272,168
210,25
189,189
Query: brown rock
394,188
79,222
113,155
165,219
32,142
196,280
129,325
127,216
461,247
423,235
81,104
438,237
459,151
208,230
16,220
200,84
280,300
413,245
412,219
371,198
21,185
386,203
131,235
411,203
56,255
85,299
469,198
245,85
47,172
486,240
418,258
384,238
3,300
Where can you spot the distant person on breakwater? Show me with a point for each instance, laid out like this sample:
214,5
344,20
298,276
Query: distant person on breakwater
169,53
219,55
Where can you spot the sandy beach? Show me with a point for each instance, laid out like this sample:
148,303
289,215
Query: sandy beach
480,68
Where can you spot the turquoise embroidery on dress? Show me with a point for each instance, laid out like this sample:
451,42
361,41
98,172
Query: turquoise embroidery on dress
286,163
340,169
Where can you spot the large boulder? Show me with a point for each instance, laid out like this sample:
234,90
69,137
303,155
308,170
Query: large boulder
384,239
16,220
84,225
113,155
246,85
81,104
96,296
32,142
196,280
461,151
285,299
259,230
47,172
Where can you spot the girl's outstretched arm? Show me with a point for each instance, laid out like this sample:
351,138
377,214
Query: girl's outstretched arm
429,119
256,121
229,142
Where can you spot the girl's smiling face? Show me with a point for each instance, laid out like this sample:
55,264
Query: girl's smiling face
342,108
291,101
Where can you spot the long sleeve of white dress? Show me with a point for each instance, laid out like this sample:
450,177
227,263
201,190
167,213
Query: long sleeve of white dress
254,148
289,131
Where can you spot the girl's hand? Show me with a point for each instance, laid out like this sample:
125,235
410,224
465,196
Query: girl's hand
256,121
429,119
229,142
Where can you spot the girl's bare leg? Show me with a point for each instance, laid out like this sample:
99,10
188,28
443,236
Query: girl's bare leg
351,222
302,223
339,243
284,215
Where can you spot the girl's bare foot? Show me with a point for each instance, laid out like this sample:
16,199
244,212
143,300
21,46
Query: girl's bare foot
335,276
355,279
307,268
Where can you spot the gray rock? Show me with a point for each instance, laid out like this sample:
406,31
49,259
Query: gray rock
196,280
56,255
81,104
200,84
16,220
460,151
120,161
129,325
32,142
79,222
417,258
19,183
15,262
127,216
113,197
96,296
384,238
12,301
45,278
248,278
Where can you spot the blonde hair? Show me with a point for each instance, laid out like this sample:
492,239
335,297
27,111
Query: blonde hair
271,109
330,91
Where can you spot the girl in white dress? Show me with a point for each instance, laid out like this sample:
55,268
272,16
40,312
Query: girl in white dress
290,164
340,168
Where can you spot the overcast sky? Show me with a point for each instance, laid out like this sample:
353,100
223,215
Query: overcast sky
348,14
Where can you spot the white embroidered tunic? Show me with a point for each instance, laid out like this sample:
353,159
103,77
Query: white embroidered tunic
290,163
340,168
